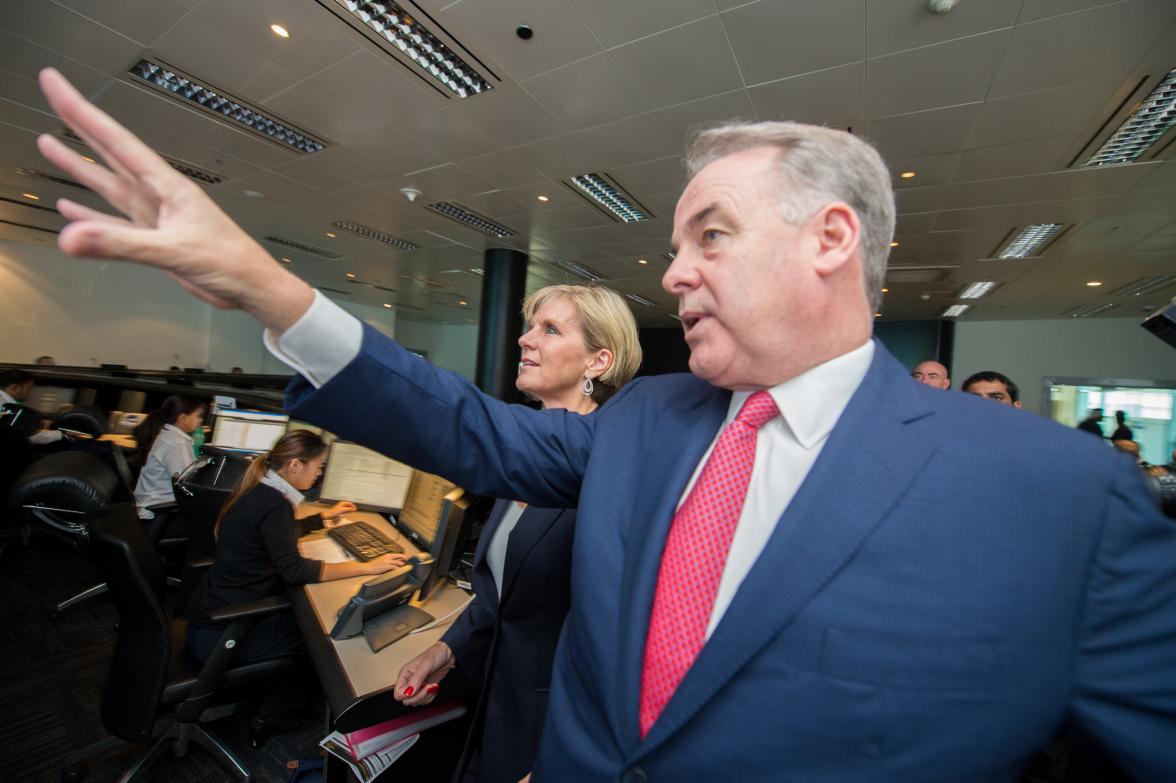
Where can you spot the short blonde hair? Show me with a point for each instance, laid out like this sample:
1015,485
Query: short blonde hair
607,322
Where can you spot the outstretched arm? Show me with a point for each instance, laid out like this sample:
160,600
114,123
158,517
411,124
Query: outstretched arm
167,221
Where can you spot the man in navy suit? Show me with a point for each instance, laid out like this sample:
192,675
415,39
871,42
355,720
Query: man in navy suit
852,629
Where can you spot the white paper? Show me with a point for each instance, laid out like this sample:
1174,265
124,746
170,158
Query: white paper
325,549
368,768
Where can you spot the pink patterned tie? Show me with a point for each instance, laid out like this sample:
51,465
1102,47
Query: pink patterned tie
695,555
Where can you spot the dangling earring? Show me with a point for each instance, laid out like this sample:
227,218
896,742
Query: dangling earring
586,386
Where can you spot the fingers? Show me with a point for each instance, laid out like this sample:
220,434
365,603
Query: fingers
73,211
116,145
108,239
97,178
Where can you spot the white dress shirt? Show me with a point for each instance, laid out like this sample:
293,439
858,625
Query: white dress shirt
272,479
496,551
7,399
40,437
171,452
326,338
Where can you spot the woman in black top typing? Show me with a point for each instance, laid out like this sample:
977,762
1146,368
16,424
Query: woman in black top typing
257,555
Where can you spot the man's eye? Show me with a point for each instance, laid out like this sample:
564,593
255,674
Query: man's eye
710,235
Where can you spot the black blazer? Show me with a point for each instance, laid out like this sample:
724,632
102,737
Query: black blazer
509,645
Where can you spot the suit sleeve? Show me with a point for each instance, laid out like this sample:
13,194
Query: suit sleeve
400,405
309,524
1126,664
279,532
470,636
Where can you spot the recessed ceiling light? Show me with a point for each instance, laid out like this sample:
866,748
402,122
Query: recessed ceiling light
88,159
894,244
285,260
351,275
642,261
332,236
33,196
877,315
885,290
387,305
419,44
1094,283
1143,127
462,302
253,194
977,290
280,31
955,311
1030,241
177,85
544,199
908,174
608,196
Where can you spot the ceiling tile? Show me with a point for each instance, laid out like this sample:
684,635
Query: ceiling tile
650,177
1042,9
1010,160
969,219
993,192
777,39
508,115
501,169
1039,114
683,64
204,52
494,202
33,121
833,97
923,133
447,133
616,22
325,170
929,170
558,196
946,74
559,157
140,22
244,145
439,183
1080,46
588,92
317,38
60,29
925,199
148,113
627,141
1104,181
679,121
896,25
1072,211
386,153
1161,178
561,34
20,61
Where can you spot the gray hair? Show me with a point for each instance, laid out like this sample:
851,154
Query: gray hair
817,166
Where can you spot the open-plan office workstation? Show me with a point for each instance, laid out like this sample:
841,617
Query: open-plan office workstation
425,164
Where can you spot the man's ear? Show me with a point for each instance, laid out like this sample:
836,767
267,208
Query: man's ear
838,233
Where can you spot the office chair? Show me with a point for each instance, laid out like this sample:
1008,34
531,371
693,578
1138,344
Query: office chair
200,492
20,417
81,418
156,692
15,457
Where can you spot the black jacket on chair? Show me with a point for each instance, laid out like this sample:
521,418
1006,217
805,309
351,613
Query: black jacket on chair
508,644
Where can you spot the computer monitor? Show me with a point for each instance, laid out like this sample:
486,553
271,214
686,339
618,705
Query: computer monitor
48,400
244,430
432,518
366,478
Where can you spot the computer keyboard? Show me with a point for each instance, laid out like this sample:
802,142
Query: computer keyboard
364,541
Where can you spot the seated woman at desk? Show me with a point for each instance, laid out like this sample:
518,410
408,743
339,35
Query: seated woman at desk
257,555
165,443
579,348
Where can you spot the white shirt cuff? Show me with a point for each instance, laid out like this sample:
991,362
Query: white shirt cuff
320,343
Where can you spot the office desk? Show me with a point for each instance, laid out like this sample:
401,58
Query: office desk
125,442
358,683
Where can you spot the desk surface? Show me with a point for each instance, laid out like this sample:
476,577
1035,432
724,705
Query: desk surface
357,682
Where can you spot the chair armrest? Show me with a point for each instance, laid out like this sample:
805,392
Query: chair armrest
250,609
200,564
172,506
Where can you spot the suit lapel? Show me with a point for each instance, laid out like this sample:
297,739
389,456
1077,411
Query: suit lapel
532,526
817,535
682,437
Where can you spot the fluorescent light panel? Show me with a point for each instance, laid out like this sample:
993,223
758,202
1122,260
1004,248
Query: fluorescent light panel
641,300
467,217
1085,311
579,270
608,195
977,290
955,311
1145,285
376,236
304,248
1144,126
1030,241
404,31
168,81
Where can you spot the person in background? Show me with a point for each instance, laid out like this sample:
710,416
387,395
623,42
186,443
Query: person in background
257,555
1091,423
15,388
237,371
165,448
46,361
995,386
1122,431
579,348
931,373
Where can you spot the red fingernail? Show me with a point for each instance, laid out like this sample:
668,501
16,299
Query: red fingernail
433,688
409,691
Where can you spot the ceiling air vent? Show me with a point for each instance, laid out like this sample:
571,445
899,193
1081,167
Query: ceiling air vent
304,248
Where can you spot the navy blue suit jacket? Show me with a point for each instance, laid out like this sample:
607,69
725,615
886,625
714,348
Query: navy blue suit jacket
952,581
507,643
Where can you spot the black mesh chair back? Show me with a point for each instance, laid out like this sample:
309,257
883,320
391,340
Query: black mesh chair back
20,417
81,418
64,491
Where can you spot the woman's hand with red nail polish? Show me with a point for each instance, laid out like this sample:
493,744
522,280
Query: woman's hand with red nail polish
416,684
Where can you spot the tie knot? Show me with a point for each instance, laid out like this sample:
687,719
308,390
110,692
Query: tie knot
757,410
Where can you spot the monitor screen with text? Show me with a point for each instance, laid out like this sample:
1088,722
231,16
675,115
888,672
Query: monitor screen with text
368,479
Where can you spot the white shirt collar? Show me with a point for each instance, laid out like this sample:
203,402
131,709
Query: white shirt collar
6,398
177,430
812,402
271,479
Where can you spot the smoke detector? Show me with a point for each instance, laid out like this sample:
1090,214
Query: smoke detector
940,7
410,194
